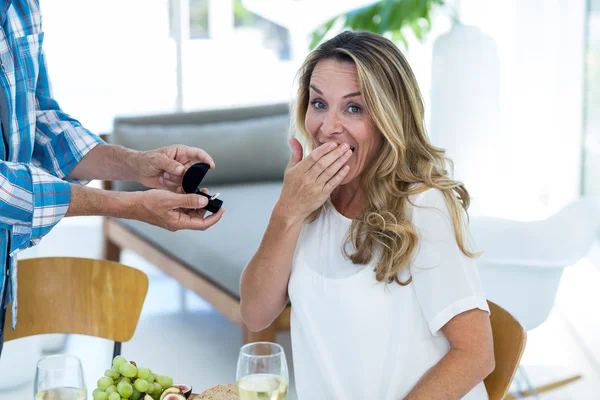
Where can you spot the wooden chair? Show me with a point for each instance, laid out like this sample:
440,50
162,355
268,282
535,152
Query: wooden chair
78,296
509,343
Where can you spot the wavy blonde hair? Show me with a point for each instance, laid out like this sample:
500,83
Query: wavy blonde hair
407,164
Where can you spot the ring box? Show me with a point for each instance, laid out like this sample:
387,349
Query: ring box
191,184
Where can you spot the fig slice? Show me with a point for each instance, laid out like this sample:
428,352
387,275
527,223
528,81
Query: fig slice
186,390
174,396
171,390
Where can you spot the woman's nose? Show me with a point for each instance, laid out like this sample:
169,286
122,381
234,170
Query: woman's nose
331,125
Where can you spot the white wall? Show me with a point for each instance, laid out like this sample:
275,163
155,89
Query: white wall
531,151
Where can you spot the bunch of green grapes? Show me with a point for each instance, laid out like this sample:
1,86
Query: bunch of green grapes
124,380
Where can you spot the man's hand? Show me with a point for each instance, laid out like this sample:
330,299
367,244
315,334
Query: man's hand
174,211
164,168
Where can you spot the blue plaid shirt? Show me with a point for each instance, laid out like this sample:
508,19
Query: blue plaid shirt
41,147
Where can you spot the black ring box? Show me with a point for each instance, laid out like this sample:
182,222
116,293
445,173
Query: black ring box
191,184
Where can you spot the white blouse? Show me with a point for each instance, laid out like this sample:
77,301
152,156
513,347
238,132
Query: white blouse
356,338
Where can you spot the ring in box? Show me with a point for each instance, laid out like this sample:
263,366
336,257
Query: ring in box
191,184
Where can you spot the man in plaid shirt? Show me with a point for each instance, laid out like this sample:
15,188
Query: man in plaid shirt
46,158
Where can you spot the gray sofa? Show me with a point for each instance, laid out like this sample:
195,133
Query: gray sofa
250,150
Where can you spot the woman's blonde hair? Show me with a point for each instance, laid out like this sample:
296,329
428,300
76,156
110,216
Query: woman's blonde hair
407,163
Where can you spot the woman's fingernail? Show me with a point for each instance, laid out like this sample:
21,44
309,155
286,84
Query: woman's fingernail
179,170
333,145
162,182
166,175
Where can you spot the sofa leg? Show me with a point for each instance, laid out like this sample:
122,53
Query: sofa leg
266,335
110,250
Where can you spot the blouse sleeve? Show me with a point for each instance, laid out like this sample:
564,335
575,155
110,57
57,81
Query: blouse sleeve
446,281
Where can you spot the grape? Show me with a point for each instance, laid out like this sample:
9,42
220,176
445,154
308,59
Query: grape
141,385
143,373
165,381
124,379
111,389
118,360
99,395
114,396
128,370
125,389
111,374
115,368
135,395
157,388
104,382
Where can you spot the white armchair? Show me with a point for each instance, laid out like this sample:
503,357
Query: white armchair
523,262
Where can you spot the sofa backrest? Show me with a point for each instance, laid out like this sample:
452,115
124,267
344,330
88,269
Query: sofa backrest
248,144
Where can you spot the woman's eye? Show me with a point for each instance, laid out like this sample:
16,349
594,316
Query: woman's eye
318,104
354,109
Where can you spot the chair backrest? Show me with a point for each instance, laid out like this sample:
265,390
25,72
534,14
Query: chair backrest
559,240
78,296
509,344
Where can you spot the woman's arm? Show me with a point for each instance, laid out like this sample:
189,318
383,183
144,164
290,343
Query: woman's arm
265,278
469,361
306,185
453,301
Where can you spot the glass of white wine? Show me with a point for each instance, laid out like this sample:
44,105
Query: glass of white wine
59,377
262,372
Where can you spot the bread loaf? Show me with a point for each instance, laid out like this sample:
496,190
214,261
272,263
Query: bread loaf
219,392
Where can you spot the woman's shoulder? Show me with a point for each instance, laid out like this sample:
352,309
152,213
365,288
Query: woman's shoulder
431,209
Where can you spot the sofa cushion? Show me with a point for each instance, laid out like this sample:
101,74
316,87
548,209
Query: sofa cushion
244,151
221,252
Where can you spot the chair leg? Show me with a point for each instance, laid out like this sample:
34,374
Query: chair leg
117,349
542,389
531,389
183,299
266,335
111,251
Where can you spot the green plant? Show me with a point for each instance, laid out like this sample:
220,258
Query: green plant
385,17
240,14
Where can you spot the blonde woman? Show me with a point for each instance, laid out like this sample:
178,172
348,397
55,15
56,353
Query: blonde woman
368,241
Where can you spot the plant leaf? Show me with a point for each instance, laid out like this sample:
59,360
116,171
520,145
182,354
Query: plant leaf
320,32
386,17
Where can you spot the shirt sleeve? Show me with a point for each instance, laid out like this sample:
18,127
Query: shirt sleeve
60,141
446,281
32,201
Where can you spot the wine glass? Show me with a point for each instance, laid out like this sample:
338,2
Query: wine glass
59,377
262,372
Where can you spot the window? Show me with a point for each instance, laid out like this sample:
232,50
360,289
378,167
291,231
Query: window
199,28
109,58
591,156
275,37
232,57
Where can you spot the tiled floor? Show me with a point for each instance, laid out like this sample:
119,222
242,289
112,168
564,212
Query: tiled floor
183,337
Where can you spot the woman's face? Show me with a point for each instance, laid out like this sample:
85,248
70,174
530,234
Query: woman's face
337,113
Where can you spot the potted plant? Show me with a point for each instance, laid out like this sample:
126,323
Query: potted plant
390,18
